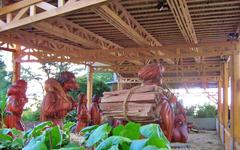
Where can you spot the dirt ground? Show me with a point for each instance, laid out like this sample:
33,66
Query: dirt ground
205,140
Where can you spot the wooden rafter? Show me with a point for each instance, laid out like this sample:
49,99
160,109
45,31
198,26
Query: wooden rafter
210,67
189,79
183,18
118,16
68,30
35,41
102,56
27,14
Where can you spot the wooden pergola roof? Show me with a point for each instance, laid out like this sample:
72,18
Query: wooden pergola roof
190,37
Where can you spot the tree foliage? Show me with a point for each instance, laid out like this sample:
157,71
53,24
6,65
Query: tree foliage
4,78
205,111
51,69
99,83
190,111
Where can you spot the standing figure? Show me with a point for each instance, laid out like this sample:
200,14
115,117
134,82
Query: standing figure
57,103
15,103
95,111
82,113
152,75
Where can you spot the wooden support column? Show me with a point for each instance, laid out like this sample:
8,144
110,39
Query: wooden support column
220,101
235,112
89,85
225,95
16,65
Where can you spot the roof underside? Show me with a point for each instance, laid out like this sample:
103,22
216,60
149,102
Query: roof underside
131,24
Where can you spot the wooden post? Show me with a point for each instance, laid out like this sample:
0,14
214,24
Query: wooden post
16,65
235,121
220,101
89,86
225,95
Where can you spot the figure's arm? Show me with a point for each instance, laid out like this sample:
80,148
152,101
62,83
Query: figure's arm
49,107
14,106
167,118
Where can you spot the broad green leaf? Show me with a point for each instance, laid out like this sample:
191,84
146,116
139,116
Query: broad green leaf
71,145
138,144
111,141
39,129
159,142
53,136
68,126
5,131
3,103
117,130
73,148
150,147
98,134
114,147
16,132
26,133
4,137
89,129
151,129
17,143
131,131
65,138
36,144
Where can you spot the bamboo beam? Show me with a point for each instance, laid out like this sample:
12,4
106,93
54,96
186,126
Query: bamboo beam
89,86
75,33
183,19
185,79
118,16
17,6
220,101
225,95
235,120
16,65
49,11
168,68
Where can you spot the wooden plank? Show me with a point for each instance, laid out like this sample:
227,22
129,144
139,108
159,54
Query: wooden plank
140,97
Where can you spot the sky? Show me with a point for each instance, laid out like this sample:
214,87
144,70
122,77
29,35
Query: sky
189,97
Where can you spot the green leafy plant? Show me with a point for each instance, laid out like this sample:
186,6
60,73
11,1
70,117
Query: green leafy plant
43,137
132,136
11,139
3,106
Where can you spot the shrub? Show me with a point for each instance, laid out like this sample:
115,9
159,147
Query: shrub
205,111
29,115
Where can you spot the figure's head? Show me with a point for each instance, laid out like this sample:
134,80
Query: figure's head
13,90
68,81
82,98
151,74
173,99
96,99
22,84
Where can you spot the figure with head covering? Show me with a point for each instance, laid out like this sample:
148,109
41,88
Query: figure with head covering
83,115
57,103
95,111
15,103
152,75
